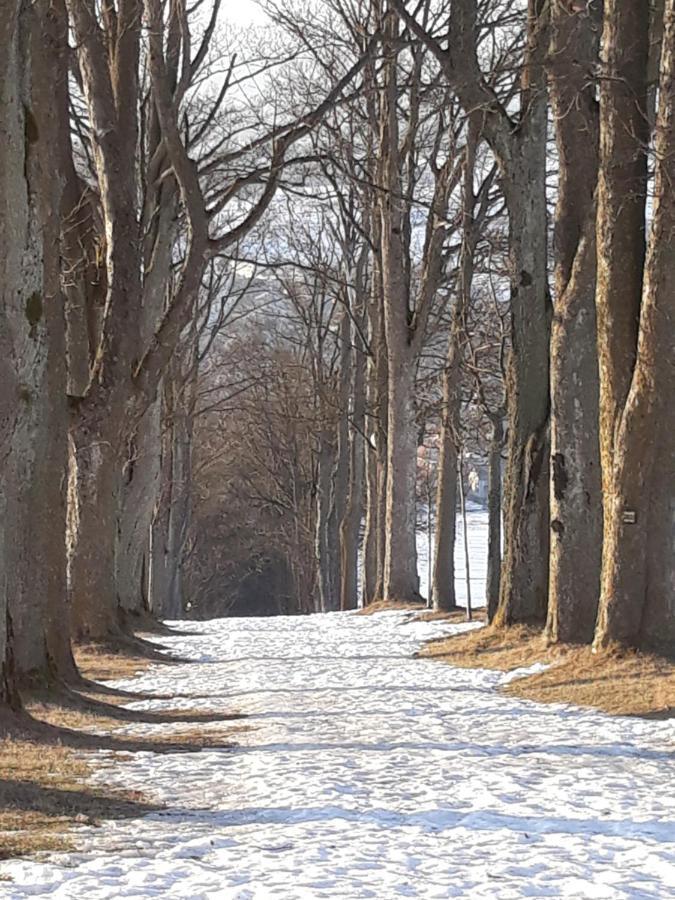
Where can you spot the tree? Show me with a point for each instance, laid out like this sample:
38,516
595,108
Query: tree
517,138
34,435
576,503
636,331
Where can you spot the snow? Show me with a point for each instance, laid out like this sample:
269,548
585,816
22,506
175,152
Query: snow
367,772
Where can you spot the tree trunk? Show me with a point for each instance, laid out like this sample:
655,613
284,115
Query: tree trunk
576,497
181,501
140,491
524,579
375,536
494,561
465,535
350,532
324,551
96,465
443,579
401,580
15,338
159,569
637,602
36,571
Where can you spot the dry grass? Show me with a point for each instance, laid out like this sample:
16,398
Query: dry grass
44,792
619,682
45,787
488,648
623,683
384,605
456,615
100,662
425,614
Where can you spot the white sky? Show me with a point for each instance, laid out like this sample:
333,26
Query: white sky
242,12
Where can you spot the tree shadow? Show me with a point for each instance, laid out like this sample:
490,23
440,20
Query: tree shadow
90,803
71,700
435,820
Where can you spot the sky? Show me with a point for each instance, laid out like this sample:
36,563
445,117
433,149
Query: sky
242,12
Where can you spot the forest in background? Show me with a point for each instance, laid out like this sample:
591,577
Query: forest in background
252,282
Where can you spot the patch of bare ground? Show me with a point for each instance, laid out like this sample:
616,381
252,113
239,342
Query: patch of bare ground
617,681
46,751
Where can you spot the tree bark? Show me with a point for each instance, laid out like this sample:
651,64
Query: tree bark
350,532
377,428
37,544
494,561
637,403
324,550
140,490
96,463
576,497
524,578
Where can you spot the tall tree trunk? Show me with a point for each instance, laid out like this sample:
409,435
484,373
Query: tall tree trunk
465,535
443,578
350,531
637,403
375,536
36,573
15,277
340,480
324,551
96,464
400,556
140,489
576,497
494,560
181,499
401,580
161,564
524,579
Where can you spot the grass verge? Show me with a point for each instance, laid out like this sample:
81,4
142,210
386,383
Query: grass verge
619,682
46,759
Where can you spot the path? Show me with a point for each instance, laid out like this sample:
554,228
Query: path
367,773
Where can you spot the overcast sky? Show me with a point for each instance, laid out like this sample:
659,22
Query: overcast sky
242,12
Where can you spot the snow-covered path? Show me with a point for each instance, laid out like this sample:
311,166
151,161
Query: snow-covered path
368,773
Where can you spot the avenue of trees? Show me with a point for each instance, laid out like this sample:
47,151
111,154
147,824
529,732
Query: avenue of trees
263,295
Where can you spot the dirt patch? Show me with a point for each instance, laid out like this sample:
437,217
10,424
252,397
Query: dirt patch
620,682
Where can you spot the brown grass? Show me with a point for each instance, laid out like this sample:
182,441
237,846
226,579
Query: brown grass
619,682
425,614
44,767
488,648
384,605
456,615
44,792
107,662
